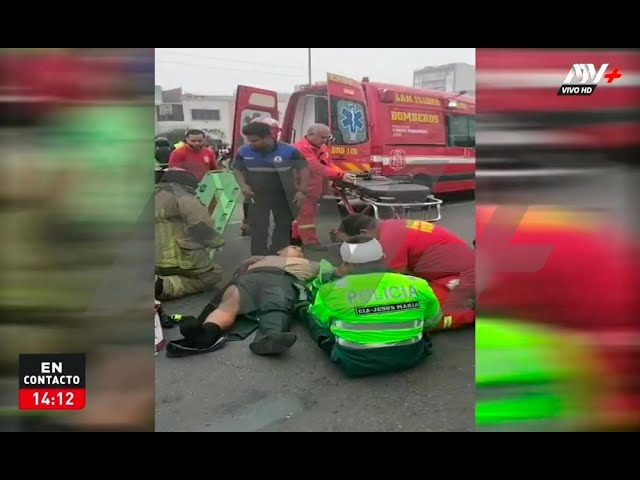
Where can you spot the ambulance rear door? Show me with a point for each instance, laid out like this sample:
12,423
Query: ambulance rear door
251,103
351,143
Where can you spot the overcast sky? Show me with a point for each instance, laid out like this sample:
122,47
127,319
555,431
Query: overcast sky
217,71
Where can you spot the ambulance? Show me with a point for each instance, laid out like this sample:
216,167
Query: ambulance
385,129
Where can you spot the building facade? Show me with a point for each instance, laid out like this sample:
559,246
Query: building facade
211,113
453,77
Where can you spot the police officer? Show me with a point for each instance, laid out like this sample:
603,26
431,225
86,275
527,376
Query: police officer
265,170
372,320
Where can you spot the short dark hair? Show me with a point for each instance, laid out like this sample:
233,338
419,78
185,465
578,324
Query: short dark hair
194,131
257,129
353,224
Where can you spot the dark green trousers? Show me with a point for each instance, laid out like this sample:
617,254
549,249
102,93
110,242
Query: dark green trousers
362,363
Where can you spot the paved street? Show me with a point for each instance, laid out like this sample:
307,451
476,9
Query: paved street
234,390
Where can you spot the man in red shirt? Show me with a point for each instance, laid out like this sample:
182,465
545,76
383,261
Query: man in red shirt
427,251
321,170
194,156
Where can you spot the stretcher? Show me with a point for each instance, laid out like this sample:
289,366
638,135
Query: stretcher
219,192
384,197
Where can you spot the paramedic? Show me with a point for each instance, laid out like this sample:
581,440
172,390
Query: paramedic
372,320
321,170
265,170
427,251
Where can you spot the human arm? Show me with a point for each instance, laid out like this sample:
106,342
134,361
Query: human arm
301,166
213,160
240,173
431,311
248,262
198,221
319,311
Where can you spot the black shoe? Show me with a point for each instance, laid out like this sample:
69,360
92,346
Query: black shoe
165,320
273,344
190,327
186,347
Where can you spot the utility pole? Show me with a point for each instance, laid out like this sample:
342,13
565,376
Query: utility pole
309,63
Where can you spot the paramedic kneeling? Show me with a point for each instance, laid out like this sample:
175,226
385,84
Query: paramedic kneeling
371,320
427,251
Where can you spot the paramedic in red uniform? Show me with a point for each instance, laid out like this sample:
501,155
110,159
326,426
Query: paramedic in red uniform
427,251
194,156
321,170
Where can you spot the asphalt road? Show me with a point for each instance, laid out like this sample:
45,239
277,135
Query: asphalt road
234,390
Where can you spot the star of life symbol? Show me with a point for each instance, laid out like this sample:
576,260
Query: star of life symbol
352,120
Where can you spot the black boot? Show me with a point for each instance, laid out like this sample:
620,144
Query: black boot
273,336
208,339
273,344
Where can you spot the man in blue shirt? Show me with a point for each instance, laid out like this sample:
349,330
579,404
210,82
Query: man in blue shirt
274,176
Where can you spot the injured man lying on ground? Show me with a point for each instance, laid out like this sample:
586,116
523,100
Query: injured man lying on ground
269,291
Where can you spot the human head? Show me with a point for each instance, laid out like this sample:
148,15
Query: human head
358,224
291,251
195,139
163,142
273,125
180,176
361,252
318,134
258,135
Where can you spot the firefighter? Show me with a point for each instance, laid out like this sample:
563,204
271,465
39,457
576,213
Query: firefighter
265,171
321,170
184,238
430,252
372,320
